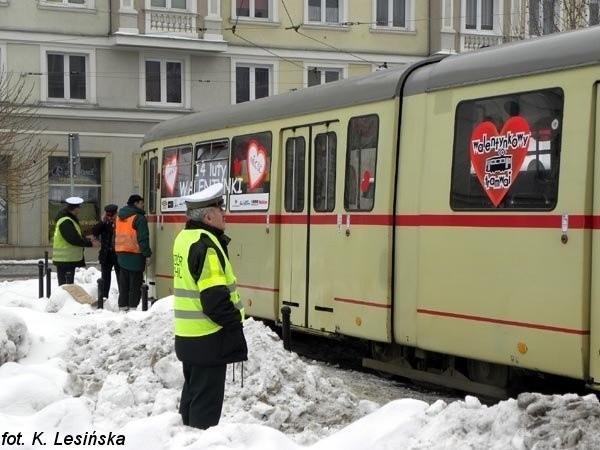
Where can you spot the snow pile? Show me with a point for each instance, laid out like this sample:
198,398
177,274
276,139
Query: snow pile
129,369
14,338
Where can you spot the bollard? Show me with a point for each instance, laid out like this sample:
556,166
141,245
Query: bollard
286,331
41,278
48,281
145,297
100,293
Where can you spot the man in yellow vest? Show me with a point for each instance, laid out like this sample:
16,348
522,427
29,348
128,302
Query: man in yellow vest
208,310
69,242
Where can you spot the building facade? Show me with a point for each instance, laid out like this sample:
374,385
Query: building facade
108,70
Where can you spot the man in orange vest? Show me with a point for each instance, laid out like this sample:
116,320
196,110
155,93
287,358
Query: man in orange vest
132,245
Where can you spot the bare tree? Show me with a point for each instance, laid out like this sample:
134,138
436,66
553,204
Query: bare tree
23,153
540,17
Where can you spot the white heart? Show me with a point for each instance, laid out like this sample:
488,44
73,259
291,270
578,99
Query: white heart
257,164
170,174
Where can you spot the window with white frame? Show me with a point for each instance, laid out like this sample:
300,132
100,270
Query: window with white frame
325,11
391,13
169,4
594,12
163,81
252,82
322,75
544,17
76,3
479,15
68,75
254,9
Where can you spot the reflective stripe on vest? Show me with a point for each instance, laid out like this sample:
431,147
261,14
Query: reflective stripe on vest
190,320
62,251
126,236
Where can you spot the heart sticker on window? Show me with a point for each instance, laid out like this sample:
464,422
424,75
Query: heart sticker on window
256,159
170,175
497,157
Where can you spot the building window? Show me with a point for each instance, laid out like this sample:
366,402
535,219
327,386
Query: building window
320,75
254,9
479,15
169,4
391,13
507,152
164,82
295,166
87,185
67,3
67,76
594,12
361,162
544,16
324,177
252,82
324,11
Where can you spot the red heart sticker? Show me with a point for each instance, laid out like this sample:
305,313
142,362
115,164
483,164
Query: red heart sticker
366,181
497,157
256,159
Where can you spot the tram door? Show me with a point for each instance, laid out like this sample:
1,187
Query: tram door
149,181
308,181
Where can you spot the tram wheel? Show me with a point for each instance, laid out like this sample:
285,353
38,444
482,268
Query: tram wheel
487,373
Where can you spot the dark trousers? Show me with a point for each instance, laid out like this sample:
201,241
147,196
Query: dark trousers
106,268
202,395
65,272
130,287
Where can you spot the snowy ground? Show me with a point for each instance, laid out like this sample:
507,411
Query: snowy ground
68,370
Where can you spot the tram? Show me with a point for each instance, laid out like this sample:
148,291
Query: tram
446,212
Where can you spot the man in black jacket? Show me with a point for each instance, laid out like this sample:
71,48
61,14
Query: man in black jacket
208,309
105,232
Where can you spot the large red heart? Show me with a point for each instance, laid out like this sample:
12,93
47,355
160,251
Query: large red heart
497,157
256,160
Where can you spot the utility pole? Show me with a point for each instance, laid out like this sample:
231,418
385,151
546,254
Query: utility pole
74,161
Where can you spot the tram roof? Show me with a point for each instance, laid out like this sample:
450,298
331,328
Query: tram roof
344,93
576,48
544,54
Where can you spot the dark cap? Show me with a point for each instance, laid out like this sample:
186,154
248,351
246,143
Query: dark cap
134,199
111,208
211,196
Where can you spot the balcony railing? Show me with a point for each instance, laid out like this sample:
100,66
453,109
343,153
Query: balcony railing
475,41
171,22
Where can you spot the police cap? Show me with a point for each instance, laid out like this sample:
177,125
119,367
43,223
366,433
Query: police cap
211,196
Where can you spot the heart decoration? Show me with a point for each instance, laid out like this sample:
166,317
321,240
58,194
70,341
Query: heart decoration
366,181
170,174
237,167
497,157
256,161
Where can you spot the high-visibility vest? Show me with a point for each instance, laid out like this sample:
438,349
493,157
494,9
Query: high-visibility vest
62,251
126,236
190,320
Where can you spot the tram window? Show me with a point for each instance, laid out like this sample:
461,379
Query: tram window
211,164
153,185
295,162
361,161
324,178
250,170
176,177
507,152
